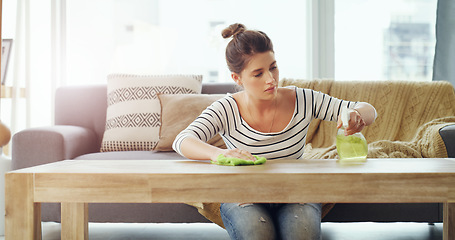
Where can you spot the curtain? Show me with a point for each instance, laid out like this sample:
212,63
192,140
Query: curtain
444,58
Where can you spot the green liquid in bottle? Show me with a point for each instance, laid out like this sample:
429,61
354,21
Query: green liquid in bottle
352,148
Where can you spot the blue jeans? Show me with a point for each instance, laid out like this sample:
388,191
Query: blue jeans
272,221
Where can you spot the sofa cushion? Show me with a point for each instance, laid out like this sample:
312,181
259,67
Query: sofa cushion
175,117
133,112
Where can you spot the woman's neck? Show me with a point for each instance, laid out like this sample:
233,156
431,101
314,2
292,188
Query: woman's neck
260,106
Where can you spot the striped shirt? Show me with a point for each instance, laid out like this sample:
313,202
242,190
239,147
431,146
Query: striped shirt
223,117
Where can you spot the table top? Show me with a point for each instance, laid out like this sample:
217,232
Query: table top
329,166
311,180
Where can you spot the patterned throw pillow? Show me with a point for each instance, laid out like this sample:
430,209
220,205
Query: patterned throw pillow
133,112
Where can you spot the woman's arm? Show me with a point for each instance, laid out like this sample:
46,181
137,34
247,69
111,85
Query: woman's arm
193,148
364,115
191,142
367,112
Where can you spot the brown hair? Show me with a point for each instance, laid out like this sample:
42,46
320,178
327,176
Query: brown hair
244,44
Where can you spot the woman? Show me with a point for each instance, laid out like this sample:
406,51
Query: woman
267,121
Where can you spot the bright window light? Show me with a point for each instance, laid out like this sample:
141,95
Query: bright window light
384,40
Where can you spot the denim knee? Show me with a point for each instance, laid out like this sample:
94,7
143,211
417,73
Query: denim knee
247,221
299,221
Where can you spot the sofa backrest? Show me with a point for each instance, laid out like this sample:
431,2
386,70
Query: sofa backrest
86,106
402,106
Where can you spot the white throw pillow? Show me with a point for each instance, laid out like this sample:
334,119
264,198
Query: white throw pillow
133,112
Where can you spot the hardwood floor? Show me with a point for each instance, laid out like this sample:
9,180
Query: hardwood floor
203,231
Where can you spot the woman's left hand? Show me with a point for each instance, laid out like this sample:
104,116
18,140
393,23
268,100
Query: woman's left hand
356,123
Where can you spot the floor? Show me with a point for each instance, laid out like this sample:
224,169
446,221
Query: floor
206,231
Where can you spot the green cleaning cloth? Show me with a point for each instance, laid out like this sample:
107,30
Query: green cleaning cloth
230,161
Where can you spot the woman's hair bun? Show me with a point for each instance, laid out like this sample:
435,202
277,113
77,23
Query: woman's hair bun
233,30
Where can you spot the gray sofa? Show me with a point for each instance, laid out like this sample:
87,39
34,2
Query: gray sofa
80,114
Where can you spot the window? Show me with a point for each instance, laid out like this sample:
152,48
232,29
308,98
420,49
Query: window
175,36
66,42
384,40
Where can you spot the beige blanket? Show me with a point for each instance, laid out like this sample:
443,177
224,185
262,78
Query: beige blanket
410,115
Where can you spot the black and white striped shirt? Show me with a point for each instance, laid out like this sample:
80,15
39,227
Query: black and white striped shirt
223,117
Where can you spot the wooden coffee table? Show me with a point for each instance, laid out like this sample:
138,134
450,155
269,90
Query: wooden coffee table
75,183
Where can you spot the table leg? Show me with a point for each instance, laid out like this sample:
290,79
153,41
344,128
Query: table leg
22,215
75,221
449,221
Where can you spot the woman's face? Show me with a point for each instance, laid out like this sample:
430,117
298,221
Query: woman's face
260,76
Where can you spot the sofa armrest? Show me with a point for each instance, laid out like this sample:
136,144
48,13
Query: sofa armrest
448,136
35,146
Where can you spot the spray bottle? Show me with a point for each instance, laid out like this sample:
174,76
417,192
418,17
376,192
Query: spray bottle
352,148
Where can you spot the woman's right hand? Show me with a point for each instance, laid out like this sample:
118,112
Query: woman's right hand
234,153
